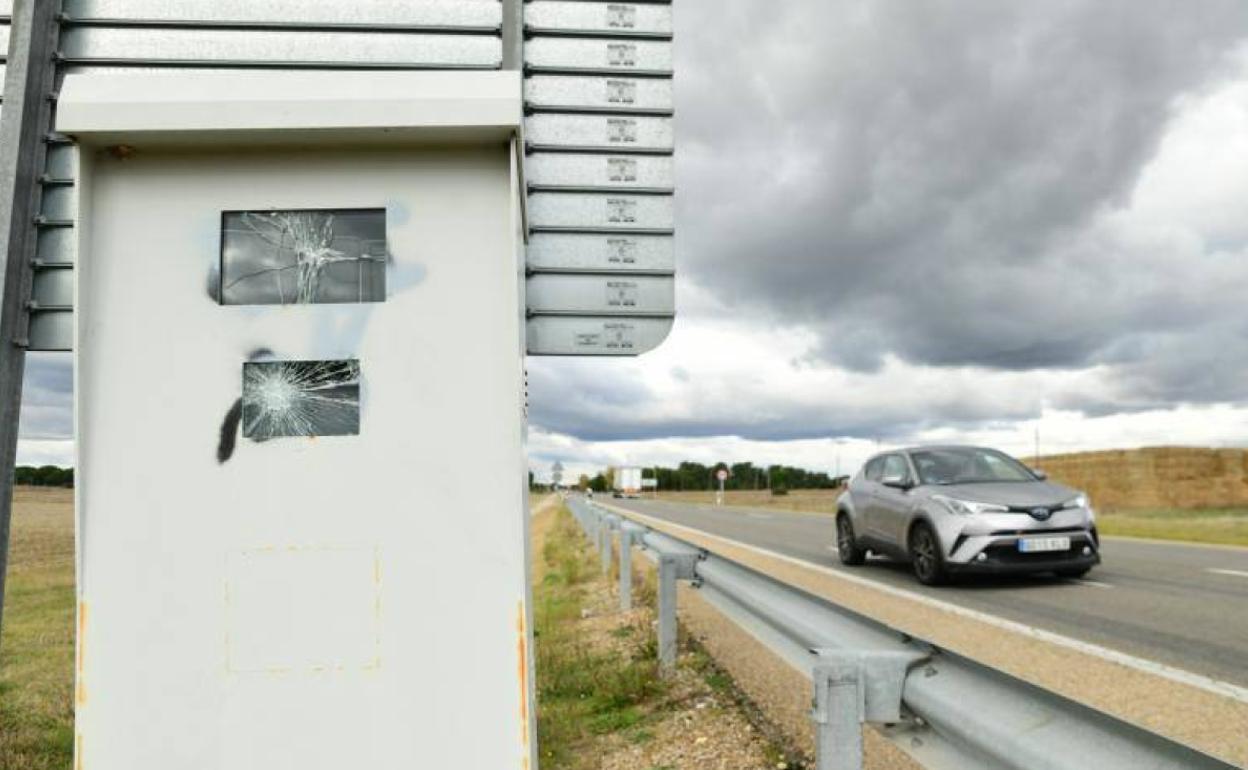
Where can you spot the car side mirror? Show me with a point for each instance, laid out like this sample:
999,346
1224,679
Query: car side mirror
1039,474
896,482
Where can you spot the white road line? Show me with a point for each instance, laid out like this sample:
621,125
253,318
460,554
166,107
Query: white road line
1189,678
1231,572
1092,583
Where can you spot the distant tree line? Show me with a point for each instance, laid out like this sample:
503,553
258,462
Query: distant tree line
43,476
689,476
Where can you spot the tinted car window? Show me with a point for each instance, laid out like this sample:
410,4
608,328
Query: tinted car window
895,465
960,465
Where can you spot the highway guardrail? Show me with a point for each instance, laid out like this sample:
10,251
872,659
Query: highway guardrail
943,709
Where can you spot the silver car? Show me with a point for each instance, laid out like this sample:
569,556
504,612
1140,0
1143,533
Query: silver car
959,509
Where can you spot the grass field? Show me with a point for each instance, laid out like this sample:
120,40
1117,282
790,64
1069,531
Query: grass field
1224,526
797,500
37,647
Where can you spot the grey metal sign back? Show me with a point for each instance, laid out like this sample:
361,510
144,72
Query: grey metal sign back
599,147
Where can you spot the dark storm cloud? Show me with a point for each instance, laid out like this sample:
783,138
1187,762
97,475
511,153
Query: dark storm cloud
942,182
48,397
924,179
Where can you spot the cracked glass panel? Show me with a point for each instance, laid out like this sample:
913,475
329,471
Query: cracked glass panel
303,257
301,398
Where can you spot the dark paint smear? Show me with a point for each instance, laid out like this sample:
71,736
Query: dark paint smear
229,432
214,285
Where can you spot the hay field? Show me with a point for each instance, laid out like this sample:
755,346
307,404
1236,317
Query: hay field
1156,478
37,647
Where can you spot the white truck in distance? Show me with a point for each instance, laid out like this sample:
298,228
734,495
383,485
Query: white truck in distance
628,482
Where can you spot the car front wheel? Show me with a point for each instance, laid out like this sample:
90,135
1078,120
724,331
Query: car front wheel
846,544
925,556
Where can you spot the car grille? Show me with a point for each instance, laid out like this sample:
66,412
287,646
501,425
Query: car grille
1054,531
1052,509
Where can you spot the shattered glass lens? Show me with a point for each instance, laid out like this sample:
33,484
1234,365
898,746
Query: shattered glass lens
303,257
301,398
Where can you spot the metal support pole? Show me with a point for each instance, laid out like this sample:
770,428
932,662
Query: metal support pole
513,34
838,715
668,570
626,569
605,545
28,90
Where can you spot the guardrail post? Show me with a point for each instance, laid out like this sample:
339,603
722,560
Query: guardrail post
838,716
668,568
608,524
626,568
852,688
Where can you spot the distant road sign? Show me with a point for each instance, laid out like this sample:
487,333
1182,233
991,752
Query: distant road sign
722,474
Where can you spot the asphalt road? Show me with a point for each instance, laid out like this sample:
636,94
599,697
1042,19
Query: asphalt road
1181,605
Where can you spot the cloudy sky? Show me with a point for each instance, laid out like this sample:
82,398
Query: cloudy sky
908,221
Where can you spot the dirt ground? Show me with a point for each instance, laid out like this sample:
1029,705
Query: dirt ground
695,719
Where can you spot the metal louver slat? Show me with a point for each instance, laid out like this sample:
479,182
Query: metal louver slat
626,295
460,15
600,133
568,172
607,56
597,212
595,335
563,93
601,252
564,17
277,48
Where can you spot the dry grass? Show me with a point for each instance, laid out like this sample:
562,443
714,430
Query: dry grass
601,703
37,647
796,501
1222,526
1156,478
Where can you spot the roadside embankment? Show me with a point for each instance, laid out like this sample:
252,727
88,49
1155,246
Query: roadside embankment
602,704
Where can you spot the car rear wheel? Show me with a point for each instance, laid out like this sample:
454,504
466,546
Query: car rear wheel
925,556
846,544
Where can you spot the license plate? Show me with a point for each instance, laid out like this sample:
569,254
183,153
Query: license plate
1039,544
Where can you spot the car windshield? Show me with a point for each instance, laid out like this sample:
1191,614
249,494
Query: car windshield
968,466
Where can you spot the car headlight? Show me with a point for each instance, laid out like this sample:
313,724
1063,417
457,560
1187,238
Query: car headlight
1079,502
968,507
